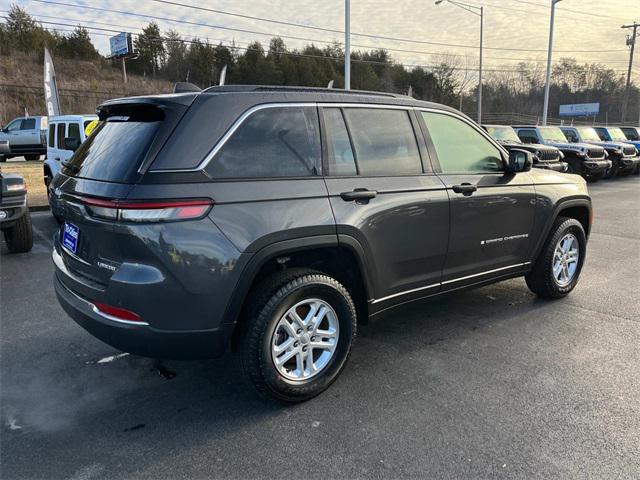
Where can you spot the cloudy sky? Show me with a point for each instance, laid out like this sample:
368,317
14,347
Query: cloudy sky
515,30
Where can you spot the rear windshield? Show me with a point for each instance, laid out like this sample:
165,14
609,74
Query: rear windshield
116,147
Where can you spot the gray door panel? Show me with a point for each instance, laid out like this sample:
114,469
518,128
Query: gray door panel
490,227
403,229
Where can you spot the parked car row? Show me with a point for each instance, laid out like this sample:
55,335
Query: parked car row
593,152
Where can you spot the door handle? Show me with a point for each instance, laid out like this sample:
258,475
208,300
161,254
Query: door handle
358,194
464,188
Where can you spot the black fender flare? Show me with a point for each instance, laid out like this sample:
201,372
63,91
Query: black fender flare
253,262
562,205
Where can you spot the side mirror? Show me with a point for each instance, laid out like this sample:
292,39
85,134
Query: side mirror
519,161
71,143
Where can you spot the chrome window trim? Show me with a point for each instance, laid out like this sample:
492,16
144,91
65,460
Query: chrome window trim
439,284
247,113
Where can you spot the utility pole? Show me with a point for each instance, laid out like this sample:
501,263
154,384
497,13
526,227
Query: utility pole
347,44
124,71
478,11
631,42
548,80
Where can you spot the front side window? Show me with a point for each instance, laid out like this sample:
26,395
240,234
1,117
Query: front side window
339,150
13,126
28,124
571,135
528,136
384,141
460,147
52,134
61,135
272,142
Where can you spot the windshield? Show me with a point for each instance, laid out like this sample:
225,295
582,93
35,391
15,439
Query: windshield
552,134
588,134
616,134
506,134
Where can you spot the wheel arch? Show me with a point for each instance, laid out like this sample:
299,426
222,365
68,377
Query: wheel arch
577,208
340,260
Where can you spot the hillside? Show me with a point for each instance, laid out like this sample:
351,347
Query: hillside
82,85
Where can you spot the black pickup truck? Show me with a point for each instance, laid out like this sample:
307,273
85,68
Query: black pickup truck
15,220
544,156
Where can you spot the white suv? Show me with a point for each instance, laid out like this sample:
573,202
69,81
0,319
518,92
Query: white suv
66,133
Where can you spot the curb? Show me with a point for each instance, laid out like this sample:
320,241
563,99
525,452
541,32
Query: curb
38,208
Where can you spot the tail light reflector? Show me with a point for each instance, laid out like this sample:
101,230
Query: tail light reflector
148,211
117,313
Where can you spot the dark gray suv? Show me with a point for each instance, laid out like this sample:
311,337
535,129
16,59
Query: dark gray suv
271,221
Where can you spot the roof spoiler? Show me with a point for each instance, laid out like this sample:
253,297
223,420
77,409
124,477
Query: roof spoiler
184,87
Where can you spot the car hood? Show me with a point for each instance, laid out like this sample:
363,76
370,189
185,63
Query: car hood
574,147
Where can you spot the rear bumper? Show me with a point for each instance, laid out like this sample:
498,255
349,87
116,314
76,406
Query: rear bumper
140,339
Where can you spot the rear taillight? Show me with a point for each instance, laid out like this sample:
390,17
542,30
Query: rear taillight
148,211
117,313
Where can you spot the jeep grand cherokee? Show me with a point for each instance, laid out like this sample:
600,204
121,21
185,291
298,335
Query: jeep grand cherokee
270,221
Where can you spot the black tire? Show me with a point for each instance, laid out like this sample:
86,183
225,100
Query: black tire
3,158
19,238
613,171
540,279
265,307
32,157
594,177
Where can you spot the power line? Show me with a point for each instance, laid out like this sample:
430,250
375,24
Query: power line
272,34
294,54
390,49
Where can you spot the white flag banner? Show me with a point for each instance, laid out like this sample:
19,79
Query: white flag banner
50,86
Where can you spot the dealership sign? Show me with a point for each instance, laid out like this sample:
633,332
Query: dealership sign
579,110
121,45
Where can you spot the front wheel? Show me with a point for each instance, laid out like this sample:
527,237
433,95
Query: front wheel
19,238
299,328
558,266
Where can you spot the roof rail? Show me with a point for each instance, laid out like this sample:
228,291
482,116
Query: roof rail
277,88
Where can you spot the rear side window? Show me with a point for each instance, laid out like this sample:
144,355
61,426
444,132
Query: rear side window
52,134
384,141
117,145
272,142
460,147
528,136
339,150
571,135
61,135
28,124
74,131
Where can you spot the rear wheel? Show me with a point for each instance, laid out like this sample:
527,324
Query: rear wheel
3,158
557,268
299,328
32,157
19,238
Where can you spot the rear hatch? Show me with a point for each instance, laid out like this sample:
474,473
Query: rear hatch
97,179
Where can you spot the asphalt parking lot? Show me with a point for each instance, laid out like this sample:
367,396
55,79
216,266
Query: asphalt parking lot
486,383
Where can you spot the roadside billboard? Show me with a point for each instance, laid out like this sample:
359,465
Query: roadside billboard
121,45
579,110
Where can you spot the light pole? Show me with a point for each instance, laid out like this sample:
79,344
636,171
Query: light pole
548,80
347,44
479,11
